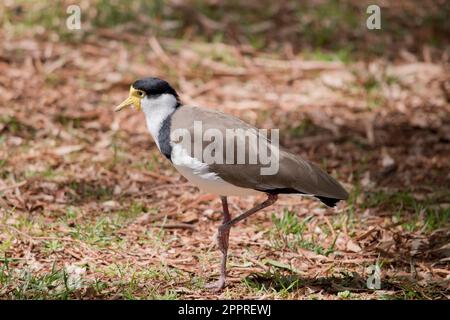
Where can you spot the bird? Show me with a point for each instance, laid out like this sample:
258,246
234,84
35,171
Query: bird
172,124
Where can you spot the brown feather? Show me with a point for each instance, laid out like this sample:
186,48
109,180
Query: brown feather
295,174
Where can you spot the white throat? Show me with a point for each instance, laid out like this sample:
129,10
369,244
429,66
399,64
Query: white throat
156,111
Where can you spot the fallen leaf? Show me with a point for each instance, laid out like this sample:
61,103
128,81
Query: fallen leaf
64,150
353,246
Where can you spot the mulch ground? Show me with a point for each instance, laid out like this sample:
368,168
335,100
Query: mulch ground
90,209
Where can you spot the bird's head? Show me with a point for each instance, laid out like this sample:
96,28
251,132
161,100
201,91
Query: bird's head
150,91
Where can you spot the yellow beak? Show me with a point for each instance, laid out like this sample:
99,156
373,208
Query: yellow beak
132,100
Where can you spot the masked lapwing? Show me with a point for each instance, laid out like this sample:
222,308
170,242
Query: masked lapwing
197,142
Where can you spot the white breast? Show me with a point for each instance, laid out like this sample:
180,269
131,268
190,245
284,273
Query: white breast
198,174
156,111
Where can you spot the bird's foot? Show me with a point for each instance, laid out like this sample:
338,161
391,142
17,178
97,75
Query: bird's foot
216,286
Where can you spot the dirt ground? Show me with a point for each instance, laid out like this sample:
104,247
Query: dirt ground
89,209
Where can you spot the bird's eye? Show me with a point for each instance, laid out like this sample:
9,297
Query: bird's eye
140,93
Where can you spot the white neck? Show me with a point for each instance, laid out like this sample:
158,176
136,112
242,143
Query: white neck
156,111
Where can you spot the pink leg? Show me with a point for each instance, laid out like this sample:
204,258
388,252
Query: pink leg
224,233
222,240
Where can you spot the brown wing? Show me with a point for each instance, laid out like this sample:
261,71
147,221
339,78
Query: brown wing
295,175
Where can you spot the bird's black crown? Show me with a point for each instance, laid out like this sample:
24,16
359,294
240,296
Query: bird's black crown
154,87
